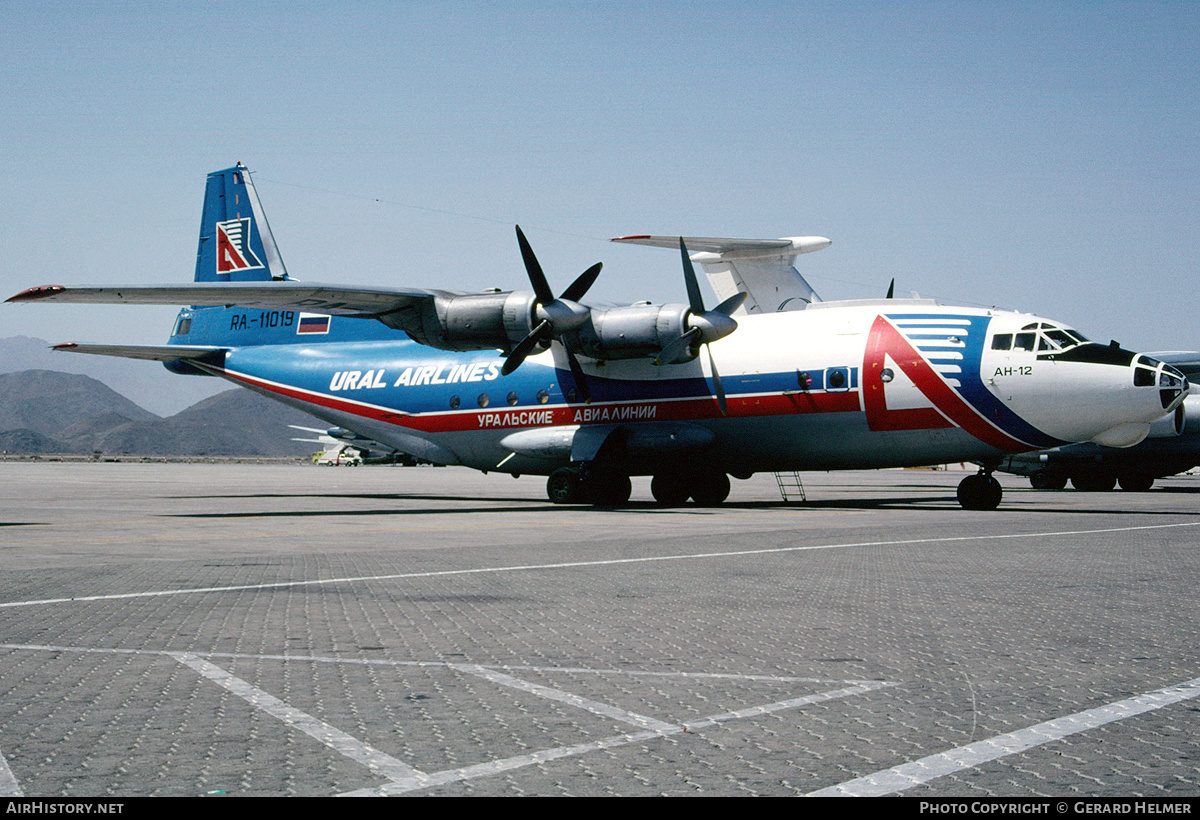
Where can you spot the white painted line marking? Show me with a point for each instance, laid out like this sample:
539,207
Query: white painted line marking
9,787
383,764
404,778
899,778
495,767
600,563
602,709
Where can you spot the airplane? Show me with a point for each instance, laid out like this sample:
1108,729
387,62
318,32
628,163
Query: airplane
1172,447
526,382
343,446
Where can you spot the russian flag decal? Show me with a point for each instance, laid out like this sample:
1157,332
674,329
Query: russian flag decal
313,323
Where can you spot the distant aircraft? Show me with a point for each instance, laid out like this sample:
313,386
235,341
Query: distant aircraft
1172,447
343,446
527,382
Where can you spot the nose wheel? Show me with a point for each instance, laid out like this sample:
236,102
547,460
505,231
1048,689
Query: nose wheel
980,491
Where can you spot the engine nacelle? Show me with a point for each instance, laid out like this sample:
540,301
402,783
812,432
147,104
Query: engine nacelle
477,321
631,332
1185,419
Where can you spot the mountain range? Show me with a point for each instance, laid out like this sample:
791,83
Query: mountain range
45,411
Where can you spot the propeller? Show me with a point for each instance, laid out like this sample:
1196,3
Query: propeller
704,326
557,316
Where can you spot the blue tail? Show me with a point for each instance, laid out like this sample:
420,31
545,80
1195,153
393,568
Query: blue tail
236,244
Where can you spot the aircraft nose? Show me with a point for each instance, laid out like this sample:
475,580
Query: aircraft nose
1158,389
1172,385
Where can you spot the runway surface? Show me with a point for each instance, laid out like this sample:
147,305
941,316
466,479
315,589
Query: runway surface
240,629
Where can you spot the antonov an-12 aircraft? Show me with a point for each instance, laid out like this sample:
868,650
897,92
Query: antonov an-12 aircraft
529,382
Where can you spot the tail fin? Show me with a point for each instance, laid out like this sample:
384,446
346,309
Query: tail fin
236,244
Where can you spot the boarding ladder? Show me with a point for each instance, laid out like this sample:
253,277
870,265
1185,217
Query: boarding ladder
790,486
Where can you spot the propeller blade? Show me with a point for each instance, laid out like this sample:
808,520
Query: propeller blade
536,277
523,348
689,277
577,374
731,304
718,388
675,349
580,286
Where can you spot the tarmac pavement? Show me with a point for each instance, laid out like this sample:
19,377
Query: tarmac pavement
287,629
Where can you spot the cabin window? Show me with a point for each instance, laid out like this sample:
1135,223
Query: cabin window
543,396
454,402
837,379
484,400
512,398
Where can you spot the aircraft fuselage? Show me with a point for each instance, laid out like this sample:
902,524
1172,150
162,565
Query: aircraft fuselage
891,383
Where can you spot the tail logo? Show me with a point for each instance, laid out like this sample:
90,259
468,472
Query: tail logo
233,252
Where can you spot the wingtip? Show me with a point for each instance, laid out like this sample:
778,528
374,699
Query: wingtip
40,292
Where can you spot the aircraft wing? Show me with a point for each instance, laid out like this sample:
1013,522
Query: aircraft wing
391,306
760,268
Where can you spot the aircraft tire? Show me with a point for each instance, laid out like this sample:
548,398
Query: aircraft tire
670,489
563,486
1048,480
607,489
710,489
979,492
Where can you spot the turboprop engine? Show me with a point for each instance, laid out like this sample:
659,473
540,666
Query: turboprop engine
518,321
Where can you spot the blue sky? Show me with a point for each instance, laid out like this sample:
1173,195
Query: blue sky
1039,156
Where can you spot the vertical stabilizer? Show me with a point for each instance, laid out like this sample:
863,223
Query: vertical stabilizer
236,244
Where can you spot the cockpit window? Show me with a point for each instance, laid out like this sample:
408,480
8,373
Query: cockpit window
1061,337
1040,336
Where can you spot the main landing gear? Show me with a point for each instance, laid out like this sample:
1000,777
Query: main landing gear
980,491
609,487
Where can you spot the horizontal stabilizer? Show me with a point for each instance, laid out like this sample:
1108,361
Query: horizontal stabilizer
157,353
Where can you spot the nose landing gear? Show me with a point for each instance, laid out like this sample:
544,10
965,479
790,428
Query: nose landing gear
980,491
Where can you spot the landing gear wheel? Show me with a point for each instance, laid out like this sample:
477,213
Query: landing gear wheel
710,489
670,489
564,486
980,492
1048,480
607,489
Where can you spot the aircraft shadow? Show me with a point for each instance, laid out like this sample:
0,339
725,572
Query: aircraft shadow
505,505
